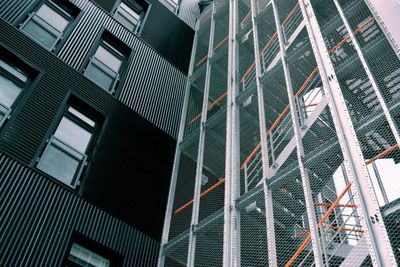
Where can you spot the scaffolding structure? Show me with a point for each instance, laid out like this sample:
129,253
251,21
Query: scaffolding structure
289,105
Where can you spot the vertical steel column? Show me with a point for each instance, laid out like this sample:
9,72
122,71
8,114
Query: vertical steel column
381,24
299,145
177,157
380,248
200,151
269,211
231,256
371,78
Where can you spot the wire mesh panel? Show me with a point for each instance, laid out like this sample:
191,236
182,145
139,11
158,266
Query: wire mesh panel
307,195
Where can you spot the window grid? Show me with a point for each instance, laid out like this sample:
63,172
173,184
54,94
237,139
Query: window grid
48,24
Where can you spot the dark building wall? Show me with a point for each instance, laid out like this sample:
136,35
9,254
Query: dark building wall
129,172
153,87
170,36
38,219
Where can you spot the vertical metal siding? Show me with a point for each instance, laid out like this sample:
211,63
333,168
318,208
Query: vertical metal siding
150,77
10,10
189,11
38,216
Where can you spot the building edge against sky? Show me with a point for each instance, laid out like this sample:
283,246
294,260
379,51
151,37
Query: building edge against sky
291,115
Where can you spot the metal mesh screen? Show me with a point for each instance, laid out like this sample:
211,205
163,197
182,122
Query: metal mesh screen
296,201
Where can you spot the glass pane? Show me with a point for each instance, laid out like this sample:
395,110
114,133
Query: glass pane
108,58
124,21
52,17
58,164
98,76
9,91
41,34
81,116
85,257
17,73
73,135
129,12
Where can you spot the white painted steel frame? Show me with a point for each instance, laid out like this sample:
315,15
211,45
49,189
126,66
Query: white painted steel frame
381,24
231,250
269,211
200,152
312,221
371,77
177,157
379,245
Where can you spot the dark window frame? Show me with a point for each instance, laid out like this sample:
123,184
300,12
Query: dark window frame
90,152
66,6
115,258
143,15
121,47
32,75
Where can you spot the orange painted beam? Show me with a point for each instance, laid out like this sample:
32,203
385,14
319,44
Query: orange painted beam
209,107
205,192
382,154
323,219
253,153
339,205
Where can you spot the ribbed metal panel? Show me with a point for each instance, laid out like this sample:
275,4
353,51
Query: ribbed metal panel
127,149
153,87
37,218
10,10
189,11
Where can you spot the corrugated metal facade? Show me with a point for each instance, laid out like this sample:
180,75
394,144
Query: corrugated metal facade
127,150
35,228
154,87
189,11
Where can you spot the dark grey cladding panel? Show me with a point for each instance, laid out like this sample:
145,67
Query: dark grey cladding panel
153,88
11,10
38,217
189,11
131,154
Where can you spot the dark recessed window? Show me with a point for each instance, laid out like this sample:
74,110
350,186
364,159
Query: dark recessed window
83,251
131,14
68,149
106,64
14,78
81,256
48,24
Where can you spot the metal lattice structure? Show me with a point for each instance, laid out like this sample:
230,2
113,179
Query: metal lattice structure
289,107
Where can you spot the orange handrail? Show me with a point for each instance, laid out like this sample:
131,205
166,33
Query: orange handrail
382,154
253,153
201,61
323,219
335,228
339,205
209,107
201,195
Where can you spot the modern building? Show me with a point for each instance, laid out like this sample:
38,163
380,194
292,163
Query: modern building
91,94
288,149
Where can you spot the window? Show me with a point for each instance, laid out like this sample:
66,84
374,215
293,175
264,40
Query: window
128,17
14,79
172,5
68,149
106,64
84,251
48,24
81,256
